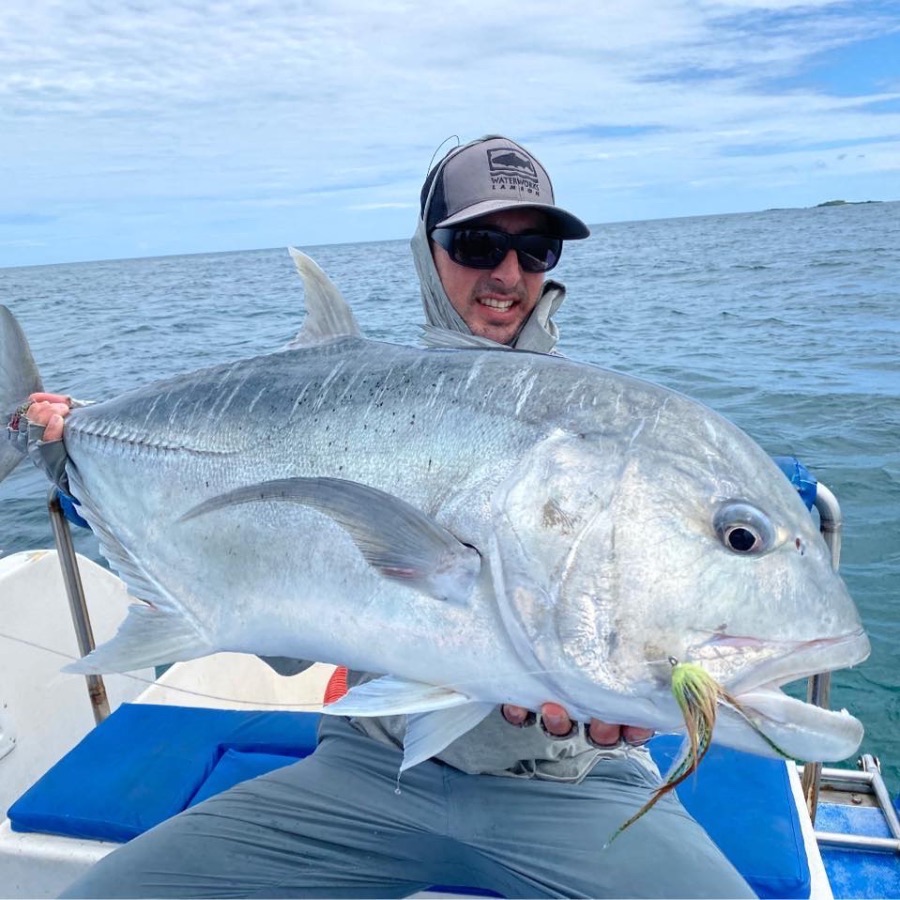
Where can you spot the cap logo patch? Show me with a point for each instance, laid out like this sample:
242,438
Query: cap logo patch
510,170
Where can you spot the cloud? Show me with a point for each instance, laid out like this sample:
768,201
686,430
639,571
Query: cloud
226,117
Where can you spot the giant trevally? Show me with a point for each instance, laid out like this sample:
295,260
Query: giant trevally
481,526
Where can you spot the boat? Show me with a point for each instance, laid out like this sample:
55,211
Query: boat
86,764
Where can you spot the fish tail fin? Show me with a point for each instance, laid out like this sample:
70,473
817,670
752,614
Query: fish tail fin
148,637
19,377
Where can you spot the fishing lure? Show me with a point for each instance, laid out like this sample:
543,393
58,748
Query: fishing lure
698,696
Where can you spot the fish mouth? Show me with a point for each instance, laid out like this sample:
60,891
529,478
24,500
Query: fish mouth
783,725
786,661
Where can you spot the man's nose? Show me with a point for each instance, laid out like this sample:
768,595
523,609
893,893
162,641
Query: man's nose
508,270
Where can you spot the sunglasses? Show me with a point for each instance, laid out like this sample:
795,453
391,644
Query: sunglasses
486,248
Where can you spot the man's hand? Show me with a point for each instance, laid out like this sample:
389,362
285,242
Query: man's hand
556,722
49,410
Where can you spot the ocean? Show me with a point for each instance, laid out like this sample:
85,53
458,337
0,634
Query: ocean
786,321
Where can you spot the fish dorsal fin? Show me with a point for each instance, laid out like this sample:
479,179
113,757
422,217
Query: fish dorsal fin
443,339
328,316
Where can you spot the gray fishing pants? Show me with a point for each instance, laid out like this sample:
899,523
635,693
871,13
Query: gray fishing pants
336,825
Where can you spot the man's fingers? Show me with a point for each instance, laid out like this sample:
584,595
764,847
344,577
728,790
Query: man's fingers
555,720
518,715
54,429
636,736
41,397
42,411
603,734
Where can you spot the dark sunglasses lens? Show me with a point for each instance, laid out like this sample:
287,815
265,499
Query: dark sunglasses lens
480,249
537,252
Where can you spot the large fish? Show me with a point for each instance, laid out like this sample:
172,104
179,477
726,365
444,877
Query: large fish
482,526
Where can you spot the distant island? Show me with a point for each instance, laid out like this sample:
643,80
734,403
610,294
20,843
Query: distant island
845,202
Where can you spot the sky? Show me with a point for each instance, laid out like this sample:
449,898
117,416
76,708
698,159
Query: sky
156,127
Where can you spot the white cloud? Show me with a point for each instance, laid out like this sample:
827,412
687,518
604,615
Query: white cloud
209,113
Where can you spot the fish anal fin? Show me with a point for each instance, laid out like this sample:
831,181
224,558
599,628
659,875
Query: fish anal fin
147,637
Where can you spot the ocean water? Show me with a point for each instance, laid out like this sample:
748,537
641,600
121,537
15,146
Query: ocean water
786,321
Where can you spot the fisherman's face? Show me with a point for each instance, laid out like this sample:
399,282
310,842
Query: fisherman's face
494,303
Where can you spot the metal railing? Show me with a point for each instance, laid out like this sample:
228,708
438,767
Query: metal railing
866,781
84,634
818,691
814,776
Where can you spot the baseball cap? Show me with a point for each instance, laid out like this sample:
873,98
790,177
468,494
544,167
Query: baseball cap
488,175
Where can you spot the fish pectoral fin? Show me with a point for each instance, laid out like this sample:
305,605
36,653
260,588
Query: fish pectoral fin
392,696
395,538
148,637
427,734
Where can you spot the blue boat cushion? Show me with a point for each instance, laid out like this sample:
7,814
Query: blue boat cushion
746,805
146,763
236,766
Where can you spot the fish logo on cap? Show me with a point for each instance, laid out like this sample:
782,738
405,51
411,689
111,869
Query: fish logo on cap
512,170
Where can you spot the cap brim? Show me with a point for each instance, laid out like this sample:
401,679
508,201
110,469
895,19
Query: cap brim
565,225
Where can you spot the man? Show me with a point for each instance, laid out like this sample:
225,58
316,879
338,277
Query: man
469,284
521,811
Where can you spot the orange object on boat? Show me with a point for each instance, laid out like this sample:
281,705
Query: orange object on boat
337,685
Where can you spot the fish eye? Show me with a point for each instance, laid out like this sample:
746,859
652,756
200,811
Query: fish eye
744,529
